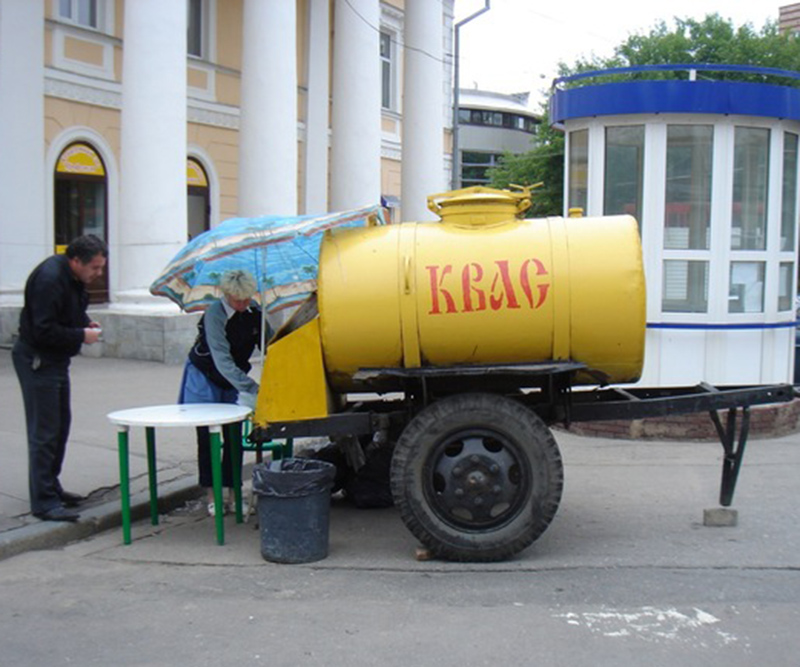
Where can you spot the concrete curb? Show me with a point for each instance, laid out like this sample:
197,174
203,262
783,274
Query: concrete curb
106,516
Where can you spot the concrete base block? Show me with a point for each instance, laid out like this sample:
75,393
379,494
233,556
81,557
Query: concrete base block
9,324
148,334
723,517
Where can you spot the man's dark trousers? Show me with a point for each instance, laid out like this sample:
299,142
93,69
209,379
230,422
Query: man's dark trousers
46,395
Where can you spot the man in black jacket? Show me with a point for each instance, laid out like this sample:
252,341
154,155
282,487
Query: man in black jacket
52,327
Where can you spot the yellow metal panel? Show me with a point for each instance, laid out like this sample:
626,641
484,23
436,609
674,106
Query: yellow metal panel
562,310
608,295
485,293
293,385
359,284
408,296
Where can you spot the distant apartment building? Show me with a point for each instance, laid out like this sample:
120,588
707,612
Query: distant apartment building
789,18
491,124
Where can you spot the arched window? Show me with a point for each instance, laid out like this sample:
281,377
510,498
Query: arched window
198,205
81,204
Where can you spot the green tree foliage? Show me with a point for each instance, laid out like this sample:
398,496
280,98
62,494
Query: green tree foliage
544,163
712,40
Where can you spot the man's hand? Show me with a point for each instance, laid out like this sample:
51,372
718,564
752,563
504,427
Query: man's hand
92,334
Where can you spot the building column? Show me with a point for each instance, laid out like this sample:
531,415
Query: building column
24,229
356,112
422,169
315,167
153,210
268,125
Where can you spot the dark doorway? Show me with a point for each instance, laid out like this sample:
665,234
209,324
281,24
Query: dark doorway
81,204
198,204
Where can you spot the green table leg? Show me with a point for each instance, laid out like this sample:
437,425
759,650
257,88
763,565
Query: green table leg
124,483
216,476
150,433
235,431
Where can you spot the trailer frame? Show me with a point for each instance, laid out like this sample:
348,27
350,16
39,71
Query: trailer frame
554,398
548,389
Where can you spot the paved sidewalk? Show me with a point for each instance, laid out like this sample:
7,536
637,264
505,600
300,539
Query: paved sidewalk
91,468
656,491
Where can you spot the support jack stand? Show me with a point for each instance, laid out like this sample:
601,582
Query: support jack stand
731,462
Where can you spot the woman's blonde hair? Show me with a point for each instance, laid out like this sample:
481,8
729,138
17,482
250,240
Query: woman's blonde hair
238,284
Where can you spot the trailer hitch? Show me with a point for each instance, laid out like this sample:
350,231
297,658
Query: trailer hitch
734,451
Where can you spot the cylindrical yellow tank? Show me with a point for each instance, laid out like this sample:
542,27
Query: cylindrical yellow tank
484,286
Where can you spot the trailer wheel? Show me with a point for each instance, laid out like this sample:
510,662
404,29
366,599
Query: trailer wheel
477,477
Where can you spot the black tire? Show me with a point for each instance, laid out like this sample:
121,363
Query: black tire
477,477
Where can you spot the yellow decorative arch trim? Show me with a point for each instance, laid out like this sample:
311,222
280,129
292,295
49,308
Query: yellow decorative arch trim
195,174
80,159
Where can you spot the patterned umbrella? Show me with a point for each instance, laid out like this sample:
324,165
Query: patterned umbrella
282,254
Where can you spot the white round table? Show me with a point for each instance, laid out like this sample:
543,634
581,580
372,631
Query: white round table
211,415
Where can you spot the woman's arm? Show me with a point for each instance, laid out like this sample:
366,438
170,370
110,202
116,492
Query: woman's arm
215,322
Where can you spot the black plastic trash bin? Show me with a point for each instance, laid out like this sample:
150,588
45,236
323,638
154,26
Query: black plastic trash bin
294,501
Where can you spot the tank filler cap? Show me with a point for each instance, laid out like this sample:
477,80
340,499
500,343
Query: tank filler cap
479,205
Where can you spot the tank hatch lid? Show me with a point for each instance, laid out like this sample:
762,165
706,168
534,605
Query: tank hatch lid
480,205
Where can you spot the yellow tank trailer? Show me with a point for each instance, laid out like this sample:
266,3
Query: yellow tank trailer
483,286
456,315
479,325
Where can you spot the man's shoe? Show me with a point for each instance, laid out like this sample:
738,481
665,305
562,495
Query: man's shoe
57,514
70,499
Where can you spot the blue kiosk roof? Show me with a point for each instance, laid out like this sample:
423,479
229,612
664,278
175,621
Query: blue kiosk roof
651,96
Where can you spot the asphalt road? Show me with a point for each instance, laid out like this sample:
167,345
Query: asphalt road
626,575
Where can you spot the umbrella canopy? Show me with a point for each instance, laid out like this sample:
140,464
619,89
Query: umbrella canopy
281,252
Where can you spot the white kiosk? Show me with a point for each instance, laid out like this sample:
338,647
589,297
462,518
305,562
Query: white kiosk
706,158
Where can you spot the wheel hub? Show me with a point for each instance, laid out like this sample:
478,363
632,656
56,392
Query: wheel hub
477,480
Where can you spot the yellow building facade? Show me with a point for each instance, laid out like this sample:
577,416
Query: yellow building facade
148,122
